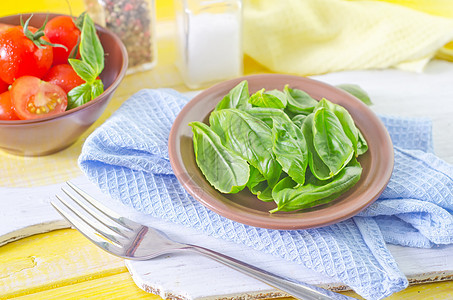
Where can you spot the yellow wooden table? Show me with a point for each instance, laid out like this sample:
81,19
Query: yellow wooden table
62,264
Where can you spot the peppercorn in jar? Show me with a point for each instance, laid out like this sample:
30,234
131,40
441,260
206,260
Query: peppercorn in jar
133,21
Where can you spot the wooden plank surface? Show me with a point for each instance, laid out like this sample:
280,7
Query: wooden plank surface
112,281
116,286
43,262
63,258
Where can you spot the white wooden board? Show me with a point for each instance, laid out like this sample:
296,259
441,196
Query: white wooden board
27,211
24,212
188,276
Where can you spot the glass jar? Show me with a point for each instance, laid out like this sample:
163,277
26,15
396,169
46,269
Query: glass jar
209,40
133,21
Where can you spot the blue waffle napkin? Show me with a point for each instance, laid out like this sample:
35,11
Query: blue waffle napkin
127,158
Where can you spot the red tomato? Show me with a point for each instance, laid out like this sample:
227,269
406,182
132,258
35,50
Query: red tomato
62,30
6,108
3,86
19,56
33,98
64,76
4,26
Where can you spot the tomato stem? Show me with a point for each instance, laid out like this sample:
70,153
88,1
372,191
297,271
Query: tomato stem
36,37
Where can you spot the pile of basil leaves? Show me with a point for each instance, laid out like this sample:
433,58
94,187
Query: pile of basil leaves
284,146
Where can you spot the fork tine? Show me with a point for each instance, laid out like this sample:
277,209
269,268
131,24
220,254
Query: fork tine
86,229
131,225
97,214
99,228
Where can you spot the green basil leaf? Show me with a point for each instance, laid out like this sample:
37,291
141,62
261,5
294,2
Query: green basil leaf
90,48
357,92
362,145
79,95
97,88
79,21
289,196
330,141
84,70
89,67
317,166
299,102
249,137
224,169
84,93
280,95
351,131
271,99
268,115
290,149
255,178
236,98
298,120
264,192
280,192
258,185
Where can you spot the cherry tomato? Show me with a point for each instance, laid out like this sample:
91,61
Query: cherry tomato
6,108
62,30
64,76
33,98
19,55
3,86
4,26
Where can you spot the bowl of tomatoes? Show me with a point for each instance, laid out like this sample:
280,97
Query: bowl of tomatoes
57,75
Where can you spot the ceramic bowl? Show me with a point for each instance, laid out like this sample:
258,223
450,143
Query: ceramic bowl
246,208
51,134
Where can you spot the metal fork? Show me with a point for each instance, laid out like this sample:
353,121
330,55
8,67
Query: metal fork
130,240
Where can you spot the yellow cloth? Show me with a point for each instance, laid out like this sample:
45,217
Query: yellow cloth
309,37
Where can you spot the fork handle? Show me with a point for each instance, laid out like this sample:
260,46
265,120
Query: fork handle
296,289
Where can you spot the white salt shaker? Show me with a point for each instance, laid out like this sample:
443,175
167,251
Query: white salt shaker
209,38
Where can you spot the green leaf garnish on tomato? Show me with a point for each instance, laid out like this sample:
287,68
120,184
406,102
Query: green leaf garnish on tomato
36,36
84,93
89,67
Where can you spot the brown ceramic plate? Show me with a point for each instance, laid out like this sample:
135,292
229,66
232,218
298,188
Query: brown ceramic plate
244,207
